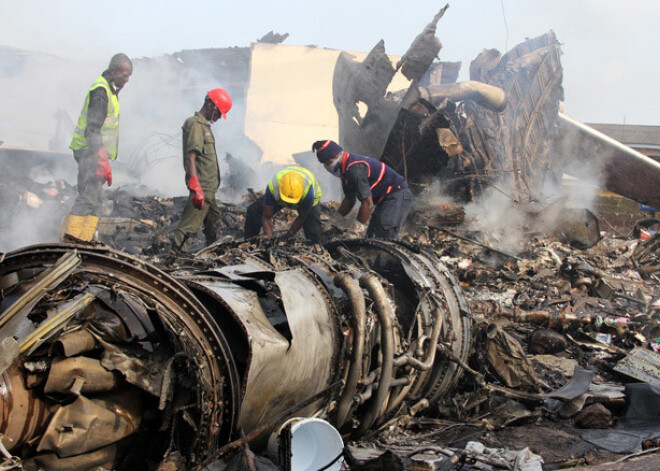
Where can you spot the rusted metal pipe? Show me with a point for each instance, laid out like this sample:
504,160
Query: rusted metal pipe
76,342
23,413
385,315
358,316
427,364
79,374
488,96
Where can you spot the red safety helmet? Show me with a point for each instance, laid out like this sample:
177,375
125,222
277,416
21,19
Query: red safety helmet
221,100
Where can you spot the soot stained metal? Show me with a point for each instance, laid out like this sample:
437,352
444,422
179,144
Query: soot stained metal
111,361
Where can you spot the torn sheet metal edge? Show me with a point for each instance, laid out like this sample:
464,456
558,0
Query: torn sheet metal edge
44,282
578,385
641,364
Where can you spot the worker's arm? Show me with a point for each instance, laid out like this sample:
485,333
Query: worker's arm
193,180
357,187
305,207
346,205
267,220
297,224
97,111
364,212
190,164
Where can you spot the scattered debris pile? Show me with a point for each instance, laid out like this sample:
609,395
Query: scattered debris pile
553,342
565,355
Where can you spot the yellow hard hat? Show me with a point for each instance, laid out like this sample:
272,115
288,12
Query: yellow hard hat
291,187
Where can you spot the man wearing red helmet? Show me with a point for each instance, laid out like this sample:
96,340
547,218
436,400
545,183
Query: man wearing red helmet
202,172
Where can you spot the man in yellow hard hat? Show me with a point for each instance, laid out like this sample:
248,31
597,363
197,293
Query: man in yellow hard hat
292,187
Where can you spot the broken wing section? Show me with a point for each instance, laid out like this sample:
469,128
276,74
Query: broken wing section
620,168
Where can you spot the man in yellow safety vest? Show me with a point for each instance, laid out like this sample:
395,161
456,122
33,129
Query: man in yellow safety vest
295,188
94,144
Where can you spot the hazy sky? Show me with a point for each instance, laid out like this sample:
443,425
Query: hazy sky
610,60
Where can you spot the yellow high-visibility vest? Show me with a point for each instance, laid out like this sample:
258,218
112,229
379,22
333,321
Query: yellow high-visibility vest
309,182
110,127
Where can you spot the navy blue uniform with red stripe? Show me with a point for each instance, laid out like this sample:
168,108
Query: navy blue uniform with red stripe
390,193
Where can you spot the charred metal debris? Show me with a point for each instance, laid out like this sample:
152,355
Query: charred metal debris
109,361
423,353
498,128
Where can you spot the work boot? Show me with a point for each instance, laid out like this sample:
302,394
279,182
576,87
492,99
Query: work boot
79,227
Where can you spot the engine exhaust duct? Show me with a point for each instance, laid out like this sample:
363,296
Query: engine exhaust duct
214,351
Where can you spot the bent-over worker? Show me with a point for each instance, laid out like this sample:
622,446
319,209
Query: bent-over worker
385,199
292,187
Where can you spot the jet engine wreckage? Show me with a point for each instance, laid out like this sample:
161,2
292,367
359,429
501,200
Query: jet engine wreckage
109,361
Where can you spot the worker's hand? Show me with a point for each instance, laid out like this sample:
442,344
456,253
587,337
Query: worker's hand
103,170
197,192
359,228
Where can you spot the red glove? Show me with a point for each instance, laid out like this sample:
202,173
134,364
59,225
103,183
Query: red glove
198,193
103,171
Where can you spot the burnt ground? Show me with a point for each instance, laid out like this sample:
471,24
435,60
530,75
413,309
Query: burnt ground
558,443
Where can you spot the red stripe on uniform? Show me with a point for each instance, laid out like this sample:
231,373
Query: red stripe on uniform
380,177
389,188
360,162
325,144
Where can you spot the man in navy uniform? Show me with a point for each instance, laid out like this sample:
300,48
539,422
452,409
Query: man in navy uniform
385,199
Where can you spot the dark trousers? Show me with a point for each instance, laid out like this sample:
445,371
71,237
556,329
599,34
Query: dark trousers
90,199
193,219
390,214
311,224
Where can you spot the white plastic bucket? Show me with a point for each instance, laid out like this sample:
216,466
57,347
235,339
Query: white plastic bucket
314,444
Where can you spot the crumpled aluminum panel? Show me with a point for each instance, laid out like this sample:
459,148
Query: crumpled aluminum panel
280,373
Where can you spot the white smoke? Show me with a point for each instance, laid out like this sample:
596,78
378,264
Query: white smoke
36,89
499,219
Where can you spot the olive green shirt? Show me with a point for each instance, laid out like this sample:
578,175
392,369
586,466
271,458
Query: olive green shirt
198,138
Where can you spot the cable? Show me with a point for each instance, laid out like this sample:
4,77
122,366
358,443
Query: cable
506,26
